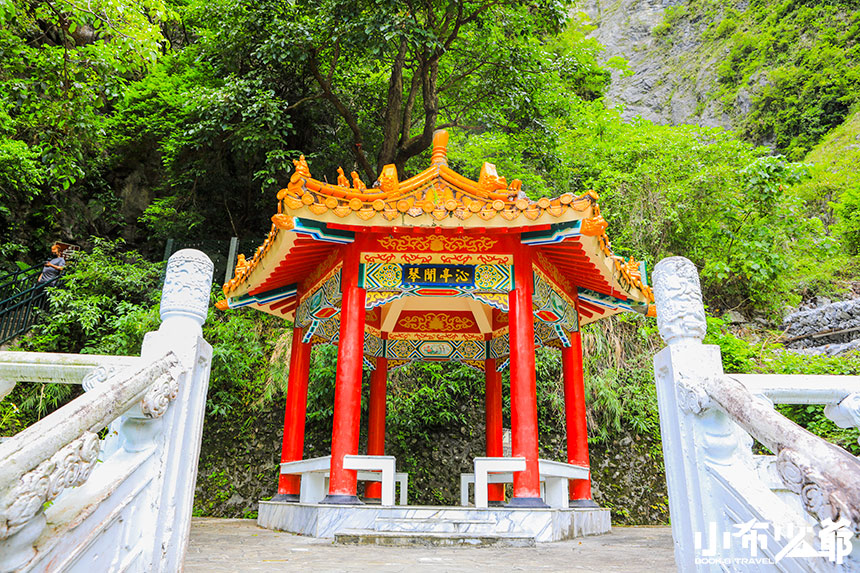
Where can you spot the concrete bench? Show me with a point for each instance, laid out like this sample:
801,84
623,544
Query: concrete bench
484,467
401,479
554,477
376,465
315,473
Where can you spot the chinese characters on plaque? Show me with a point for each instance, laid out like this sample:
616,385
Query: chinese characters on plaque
439,275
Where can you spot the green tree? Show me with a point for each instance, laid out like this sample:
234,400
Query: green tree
62,66
395,71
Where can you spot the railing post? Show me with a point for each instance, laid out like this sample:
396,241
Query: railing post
141,495
184,306
692,433
231,259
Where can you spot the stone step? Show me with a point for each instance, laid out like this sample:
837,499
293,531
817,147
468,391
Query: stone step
425,539
435,525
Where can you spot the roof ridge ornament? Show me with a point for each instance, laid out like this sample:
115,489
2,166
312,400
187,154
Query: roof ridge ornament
440,148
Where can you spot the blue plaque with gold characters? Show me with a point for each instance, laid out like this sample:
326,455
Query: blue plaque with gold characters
439,275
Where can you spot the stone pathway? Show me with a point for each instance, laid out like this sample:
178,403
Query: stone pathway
228,545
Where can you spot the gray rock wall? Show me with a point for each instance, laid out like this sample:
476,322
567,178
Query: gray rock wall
666,85
837,316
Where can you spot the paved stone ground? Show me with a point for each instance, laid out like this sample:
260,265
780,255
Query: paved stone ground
228,545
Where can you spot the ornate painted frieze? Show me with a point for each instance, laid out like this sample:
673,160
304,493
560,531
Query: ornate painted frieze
500,346
323,273
369,364
551,273
555,234
438,258
375,299
553,309
435,350
317,310
549,335
435,321
321,232
477,365
437,243
610,302
268,297
497,300
373,346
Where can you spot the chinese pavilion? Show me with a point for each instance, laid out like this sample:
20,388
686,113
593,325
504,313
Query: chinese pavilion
436,267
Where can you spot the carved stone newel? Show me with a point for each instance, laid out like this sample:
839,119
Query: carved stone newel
184,304
678,293
187,284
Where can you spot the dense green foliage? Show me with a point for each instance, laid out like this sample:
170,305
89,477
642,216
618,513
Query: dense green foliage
799,62
62,68
180,119
700,192
104,304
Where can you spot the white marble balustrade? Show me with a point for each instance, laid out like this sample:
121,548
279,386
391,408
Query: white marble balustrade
794,511
72,502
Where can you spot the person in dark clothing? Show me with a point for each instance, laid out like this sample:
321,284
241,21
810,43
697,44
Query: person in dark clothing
54,267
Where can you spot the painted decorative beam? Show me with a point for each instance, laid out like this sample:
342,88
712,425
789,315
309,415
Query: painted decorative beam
555,234
612,303
322,232
262,298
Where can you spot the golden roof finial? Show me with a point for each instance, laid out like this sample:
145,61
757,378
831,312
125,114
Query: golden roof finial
302,166
440,148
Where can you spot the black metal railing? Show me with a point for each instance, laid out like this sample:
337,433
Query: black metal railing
19,280
19,305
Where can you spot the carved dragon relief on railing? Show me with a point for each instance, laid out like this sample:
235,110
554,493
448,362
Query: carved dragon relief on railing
69,467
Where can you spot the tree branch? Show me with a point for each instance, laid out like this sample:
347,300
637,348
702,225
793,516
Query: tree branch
391,126
348,117
303,100
335,57
406,125
415,145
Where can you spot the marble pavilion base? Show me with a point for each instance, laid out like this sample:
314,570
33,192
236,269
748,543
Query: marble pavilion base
544,525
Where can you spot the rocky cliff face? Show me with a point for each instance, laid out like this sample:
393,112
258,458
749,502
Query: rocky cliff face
669,79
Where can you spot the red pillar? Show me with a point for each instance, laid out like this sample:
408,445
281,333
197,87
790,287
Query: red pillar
574,416
524,424
493,412
347,393
376,423
294,415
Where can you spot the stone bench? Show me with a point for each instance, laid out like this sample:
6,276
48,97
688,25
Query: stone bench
315,474
553,475
556,476
401,479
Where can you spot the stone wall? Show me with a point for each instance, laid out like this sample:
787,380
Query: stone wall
827,328
239,465
662,85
